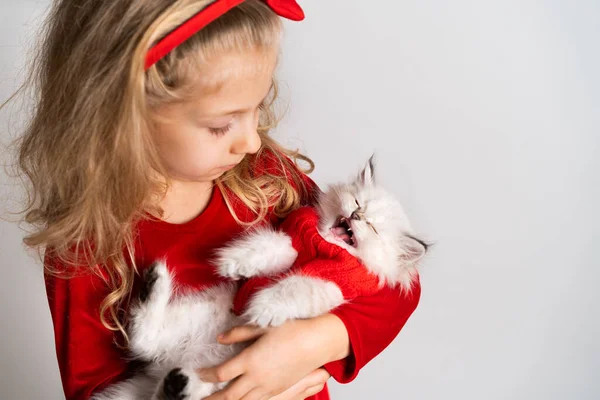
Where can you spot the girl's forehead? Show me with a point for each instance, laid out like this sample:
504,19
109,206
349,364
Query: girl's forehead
214,74
227,84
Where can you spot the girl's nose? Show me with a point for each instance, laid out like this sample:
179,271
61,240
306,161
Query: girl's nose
248,142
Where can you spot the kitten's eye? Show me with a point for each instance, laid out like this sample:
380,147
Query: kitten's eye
220,131
372,227
357,203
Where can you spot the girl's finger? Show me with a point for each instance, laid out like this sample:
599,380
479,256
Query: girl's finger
224,372
241,333
235,391
317,377
255,394
298,391
292,393
312,391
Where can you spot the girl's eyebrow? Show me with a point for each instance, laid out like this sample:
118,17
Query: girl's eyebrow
232,112
226,113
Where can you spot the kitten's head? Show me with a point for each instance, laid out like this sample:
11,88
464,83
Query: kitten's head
371,224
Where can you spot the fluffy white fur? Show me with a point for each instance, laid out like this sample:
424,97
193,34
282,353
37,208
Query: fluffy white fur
384,240
177,334
294,297
172,332
261,252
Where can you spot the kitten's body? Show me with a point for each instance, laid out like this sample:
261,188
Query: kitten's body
175,337
178,335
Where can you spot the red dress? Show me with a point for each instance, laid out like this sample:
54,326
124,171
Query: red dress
88,357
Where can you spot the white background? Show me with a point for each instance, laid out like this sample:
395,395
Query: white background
485,117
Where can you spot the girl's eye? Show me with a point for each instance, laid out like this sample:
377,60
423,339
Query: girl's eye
220,131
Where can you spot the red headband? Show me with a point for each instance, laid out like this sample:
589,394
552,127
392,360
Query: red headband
285,8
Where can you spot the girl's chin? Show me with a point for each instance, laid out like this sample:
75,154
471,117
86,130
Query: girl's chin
226,168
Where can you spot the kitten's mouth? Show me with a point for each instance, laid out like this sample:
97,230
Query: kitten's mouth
342,231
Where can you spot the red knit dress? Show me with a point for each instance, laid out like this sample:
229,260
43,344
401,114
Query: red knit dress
88,358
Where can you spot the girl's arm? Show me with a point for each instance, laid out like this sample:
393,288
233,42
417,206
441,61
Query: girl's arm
279,358
372,324
368,325
88,358
343,341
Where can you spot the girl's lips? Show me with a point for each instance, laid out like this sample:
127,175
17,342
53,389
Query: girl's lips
228,167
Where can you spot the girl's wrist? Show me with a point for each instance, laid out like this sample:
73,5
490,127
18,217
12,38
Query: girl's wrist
331,337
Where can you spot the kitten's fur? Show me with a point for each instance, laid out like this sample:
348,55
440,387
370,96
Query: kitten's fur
177,335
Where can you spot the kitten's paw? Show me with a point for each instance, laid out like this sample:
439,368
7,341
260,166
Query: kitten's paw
260,253
294,297
269,308
149,278
156,283
232,268
175,386
184,384
264,318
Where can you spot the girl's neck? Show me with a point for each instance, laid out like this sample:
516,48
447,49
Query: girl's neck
184,201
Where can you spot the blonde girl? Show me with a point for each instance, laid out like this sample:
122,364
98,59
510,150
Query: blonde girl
149,139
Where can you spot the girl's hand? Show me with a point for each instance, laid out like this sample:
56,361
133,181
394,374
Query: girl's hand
283,360
310,385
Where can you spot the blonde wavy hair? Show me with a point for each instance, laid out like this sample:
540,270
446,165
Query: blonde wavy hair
87,151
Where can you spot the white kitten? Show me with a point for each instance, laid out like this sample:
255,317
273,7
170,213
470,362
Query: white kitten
371,224
176,336
360,217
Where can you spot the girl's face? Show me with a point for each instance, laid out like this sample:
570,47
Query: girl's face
203,138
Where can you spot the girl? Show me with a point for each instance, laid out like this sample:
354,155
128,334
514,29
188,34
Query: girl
149,140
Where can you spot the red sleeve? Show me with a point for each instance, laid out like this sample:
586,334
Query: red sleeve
87,356
353,279
372,323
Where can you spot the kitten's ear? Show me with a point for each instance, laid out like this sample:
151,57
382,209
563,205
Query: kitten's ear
413,249
367,175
